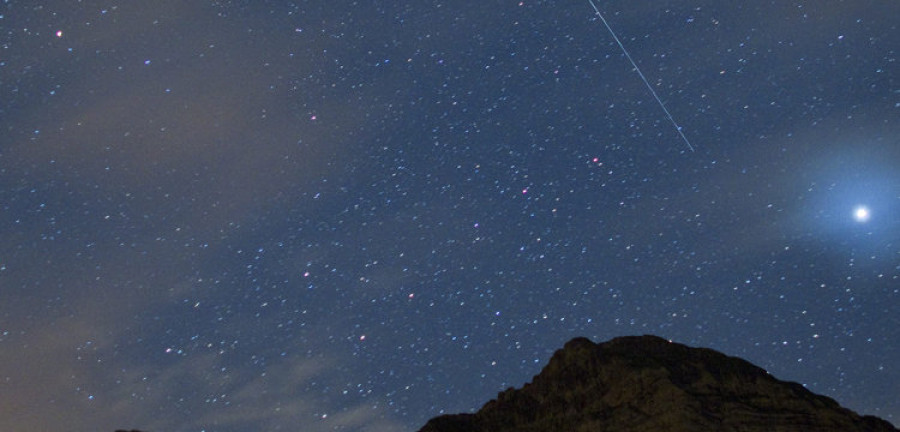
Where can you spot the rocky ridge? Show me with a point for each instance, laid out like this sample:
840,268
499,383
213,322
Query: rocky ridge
646,383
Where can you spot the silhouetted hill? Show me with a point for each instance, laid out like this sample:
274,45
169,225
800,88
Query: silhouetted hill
645,383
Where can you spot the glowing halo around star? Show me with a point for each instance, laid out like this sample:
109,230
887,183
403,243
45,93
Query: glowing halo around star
861,214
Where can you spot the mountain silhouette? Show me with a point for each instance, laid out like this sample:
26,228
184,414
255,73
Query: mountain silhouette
646,383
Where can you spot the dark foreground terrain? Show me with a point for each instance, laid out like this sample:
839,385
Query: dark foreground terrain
647,383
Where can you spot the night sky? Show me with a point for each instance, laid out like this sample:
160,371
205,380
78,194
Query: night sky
268,215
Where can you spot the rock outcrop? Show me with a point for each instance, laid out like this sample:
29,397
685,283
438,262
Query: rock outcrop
645,383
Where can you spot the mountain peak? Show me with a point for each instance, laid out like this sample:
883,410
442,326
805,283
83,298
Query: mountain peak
638,383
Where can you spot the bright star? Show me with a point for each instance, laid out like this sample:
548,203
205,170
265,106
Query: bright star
861,214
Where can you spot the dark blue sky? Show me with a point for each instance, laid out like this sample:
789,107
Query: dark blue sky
242,216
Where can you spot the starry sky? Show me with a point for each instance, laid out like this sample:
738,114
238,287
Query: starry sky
272,215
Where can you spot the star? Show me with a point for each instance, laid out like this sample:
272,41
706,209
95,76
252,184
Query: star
861,214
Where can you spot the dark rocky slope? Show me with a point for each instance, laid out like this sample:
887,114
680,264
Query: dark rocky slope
650,384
